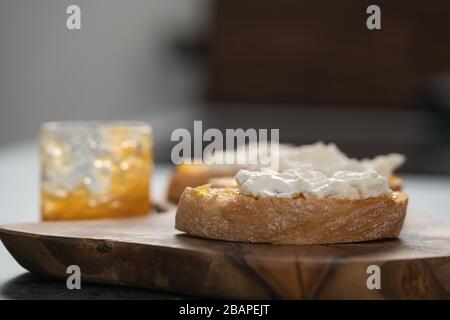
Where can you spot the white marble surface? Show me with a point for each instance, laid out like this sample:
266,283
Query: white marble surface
19,194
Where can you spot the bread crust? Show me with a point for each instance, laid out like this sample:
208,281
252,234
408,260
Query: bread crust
395,183
191,175
225,214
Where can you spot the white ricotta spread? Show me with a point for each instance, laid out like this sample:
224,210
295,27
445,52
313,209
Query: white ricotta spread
325,158
310,183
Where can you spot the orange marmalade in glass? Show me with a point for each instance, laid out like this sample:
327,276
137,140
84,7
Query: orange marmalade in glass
93,170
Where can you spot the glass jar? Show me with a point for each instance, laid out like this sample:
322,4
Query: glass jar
92,170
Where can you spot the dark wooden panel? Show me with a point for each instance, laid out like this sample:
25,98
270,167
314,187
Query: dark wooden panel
320,52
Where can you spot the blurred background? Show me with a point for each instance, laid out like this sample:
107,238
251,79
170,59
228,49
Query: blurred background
310,68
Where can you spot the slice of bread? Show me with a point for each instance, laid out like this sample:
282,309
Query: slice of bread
395,183
191,175
225,214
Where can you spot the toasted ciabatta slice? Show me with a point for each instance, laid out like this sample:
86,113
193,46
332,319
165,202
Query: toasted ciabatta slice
395,183
223,182
225,214
194,175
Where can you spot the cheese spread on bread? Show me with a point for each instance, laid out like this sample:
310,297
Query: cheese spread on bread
308,182
325,158
328,159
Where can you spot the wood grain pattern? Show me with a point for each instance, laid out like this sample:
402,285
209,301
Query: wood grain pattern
148,252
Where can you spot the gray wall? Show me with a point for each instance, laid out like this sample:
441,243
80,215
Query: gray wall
119,65
122,65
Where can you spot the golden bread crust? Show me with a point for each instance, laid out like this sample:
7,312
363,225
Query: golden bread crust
395,183
227,215
192,175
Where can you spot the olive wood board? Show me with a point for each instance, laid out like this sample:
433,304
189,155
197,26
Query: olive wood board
148,252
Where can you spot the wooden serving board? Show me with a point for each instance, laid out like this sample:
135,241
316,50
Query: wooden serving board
148,252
